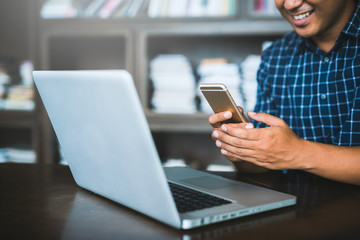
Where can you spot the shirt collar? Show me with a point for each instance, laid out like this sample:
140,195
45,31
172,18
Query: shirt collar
352,27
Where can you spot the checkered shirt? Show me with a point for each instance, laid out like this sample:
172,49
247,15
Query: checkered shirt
316,93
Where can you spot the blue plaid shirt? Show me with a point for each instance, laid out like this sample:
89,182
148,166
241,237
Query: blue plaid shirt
316,93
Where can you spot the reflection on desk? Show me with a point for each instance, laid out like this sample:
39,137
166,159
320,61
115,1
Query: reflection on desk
43,202
98,212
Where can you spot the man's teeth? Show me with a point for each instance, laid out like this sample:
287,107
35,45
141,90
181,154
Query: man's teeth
302,16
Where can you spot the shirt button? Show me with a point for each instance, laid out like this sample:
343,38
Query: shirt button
323,96
326,59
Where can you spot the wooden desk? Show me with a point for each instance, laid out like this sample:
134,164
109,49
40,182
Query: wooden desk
43,202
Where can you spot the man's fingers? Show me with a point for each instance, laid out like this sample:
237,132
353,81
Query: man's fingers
216,119
244,155
236,141
245,131
241,125
266,118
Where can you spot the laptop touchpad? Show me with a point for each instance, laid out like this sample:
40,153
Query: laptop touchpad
208,182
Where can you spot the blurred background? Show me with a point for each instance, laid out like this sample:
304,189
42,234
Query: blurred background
169,47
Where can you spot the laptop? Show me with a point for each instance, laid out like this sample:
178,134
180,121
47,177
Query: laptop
106,140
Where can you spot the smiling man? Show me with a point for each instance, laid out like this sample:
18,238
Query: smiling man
307,115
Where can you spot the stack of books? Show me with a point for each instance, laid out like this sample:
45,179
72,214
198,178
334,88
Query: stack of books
249,69
174,84
19,97
219,71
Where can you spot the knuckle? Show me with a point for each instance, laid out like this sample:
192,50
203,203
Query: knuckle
282,122
270,134
240,152
244,134
263,158
241,133
237,142
264,145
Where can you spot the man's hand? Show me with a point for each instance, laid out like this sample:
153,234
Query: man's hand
274,147
216,121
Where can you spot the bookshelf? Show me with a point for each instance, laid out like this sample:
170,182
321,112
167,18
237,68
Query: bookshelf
19,125
131,42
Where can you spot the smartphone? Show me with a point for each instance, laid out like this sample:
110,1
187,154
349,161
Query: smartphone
220,100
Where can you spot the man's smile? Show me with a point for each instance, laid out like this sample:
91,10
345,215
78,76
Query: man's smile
302,15
301,19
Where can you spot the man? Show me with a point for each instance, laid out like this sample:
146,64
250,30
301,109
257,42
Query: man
307,115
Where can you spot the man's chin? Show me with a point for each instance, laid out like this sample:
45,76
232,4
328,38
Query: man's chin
302,32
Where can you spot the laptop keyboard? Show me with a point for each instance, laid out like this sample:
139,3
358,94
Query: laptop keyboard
188,200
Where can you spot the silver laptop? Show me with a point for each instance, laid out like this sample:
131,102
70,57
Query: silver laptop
105,138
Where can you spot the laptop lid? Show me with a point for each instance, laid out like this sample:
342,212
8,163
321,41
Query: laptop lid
94,124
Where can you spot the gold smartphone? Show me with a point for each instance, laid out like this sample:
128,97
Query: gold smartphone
220,100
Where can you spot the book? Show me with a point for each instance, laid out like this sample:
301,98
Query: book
142,11
197,8
178,8
93,8
155,7
214,8
121,10
134,8
108,8
81,5
265,7
58,9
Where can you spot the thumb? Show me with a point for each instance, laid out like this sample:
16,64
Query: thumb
266,118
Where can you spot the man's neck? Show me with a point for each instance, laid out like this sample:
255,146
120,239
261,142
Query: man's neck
326,44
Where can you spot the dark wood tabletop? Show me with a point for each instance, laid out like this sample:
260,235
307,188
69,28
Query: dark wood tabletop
44,202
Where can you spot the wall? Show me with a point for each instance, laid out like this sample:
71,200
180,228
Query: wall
14,40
